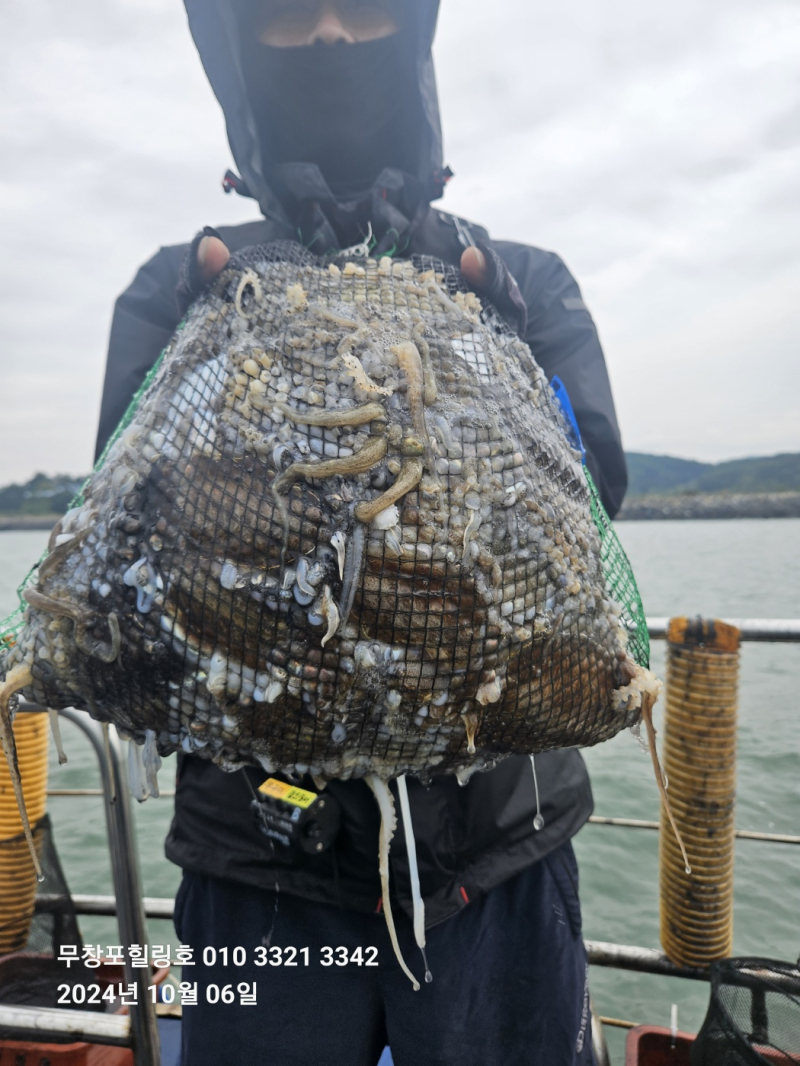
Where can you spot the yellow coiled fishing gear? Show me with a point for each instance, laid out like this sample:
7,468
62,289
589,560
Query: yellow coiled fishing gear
699,759
17,874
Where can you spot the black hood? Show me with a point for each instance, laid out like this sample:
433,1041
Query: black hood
216,34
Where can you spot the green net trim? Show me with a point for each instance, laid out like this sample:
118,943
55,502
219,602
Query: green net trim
621,583
12,623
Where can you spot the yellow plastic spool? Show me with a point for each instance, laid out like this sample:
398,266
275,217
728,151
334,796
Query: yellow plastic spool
17,873
699,759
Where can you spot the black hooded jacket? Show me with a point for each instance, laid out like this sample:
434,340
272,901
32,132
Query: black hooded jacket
468,839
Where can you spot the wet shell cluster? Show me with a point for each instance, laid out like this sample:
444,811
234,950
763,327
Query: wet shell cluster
343,532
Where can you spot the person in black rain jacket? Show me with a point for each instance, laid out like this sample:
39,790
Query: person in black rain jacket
333,122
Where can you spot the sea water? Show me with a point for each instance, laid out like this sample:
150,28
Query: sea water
745,568
724,569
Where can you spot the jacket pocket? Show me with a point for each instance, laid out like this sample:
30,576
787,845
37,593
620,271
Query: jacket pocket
563,869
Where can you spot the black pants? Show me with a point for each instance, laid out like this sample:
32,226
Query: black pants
510,979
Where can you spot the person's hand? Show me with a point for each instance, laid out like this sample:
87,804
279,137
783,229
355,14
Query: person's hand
487,275
212,255
212,258
475,268
209,256
206,258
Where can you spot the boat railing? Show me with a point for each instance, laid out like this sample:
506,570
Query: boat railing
138,1030
760,630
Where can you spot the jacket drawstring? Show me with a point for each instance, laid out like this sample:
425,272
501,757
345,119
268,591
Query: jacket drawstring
416,894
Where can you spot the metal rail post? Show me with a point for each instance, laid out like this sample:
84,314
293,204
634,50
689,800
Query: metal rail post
127,882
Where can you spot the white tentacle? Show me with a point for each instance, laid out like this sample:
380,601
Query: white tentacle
388,825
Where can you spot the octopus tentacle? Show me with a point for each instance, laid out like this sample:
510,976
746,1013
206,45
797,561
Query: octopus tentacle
59,553
388,825
42,602
55,726
107,653
54,534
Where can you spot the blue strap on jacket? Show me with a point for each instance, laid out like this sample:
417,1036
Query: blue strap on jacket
563,400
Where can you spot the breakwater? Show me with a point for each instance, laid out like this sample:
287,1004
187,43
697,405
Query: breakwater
27,521
711,505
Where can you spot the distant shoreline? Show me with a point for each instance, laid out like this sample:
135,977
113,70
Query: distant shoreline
701,505
651,508
22,522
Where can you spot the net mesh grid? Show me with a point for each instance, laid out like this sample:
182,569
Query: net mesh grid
197,555
753,1016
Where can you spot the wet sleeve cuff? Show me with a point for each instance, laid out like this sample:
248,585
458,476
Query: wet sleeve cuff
503,291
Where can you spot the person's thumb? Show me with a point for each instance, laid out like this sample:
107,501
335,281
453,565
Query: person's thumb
212,258
475,268
486,274
206,257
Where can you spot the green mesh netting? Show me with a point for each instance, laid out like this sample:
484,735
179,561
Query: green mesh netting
619,578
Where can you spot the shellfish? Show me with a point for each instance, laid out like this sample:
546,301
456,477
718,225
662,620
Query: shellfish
346,495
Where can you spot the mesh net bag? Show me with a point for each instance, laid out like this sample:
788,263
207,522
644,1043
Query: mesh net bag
753,1017
342,529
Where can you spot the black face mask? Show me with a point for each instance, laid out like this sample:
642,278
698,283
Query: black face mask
352,109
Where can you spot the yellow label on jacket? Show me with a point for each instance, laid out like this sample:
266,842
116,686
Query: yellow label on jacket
279,790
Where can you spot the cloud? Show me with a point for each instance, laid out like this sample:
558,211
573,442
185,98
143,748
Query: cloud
656,148
664,170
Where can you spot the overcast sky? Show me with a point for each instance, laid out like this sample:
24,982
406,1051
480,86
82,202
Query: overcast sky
656,148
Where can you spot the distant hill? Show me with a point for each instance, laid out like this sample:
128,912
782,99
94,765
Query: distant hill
665,475
660,473
41,495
